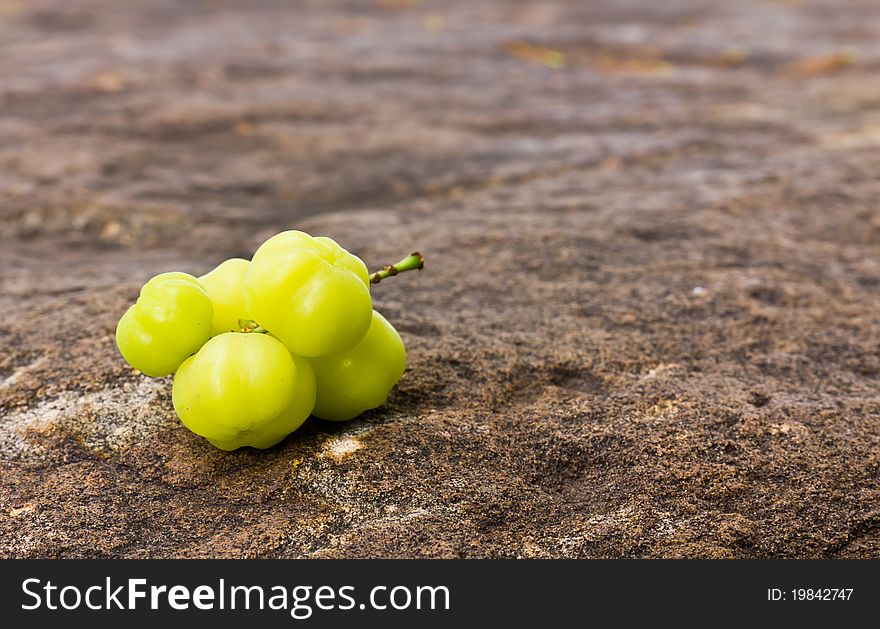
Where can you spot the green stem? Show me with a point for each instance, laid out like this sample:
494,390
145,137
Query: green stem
249,325
412,262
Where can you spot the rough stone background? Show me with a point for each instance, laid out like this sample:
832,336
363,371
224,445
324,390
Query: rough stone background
650,322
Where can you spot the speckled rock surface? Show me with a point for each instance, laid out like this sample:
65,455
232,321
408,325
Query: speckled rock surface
650,322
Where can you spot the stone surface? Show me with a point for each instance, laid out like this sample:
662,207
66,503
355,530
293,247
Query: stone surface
650,321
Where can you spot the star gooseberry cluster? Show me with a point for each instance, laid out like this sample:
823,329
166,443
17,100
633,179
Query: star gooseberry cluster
319,347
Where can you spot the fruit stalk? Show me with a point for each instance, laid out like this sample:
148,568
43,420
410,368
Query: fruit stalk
413,262
249,325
